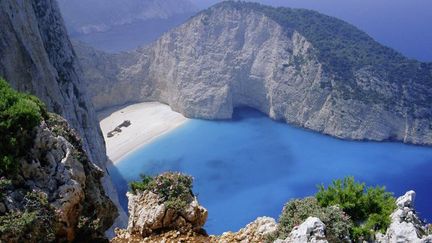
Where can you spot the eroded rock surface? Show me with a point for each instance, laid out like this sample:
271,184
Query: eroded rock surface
312,230
58,168
253,232
148,215
405,225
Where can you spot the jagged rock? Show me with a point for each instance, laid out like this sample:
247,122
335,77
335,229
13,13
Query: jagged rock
312,230
406,200
147,214
405,225
253,232
58,167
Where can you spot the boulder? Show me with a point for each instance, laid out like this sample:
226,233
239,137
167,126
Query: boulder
253,232
148,214
312,230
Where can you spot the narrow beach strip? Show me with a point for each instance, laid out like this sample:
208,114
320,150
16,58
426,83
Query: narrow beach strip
148,121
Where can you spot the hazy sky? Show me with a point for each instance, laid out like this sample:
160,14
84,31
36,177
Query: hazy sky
405,25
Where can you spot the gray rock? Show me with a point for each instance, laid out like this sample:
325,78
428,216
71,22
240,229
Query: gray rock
405,225
255,231
147,215
312,230
57,167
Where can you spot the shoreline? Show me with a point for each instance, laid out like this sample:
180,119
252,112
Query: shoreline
148,121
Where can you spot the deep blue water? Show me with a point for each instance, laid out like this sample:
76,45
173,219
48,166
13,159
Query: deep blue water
252,165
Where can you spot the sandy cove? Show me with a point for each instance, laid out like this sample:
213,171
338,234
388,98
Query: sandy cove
149,120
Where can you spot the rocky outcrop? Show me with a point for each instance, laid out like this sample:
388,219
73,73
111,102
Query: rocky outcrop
312,230
405,225
148,215
36,56
59,171
291,64
257,231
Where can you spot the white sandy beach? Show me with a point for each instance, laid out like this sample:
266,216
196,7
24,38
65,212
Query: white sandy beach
149,120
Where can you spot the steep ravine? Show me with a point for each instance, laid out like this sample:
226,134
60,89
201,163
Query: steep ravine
298,66
36,56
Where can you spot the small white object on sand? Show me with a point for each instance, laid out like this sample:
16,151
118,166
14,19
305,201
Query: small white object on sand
149,120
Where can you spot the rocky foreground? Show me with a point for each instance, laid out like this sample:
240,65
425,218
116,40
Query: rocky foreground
57,194
153,220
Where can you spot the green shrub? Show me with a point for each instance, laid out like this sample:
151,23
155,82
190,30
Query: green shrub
369,208
137,186
174,189
19,114
295,212
16,224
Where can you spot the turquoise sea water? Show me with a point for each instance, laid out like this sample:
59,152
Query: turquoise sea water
252,165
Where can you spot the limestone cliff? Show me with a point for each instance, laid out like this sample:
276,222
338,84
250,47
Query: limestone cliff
298,66
103,70
36,56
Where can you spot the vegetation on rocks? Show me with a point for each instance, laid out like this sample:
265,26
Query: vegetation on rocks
36,223
369,208
347,208
174,189
295,212
19,114
49,189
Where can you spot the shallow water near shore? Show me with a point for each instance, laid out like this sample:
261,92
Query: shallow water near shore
251,166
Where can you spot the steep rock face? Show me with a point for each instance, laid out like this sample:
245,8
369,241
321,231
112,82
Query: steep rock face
58,168
294,65
103,70
36,56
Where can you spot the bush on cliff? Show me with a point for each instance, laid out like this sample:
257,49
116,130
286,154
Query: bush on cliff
19,114
174,189
347,208
295,212
369,208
